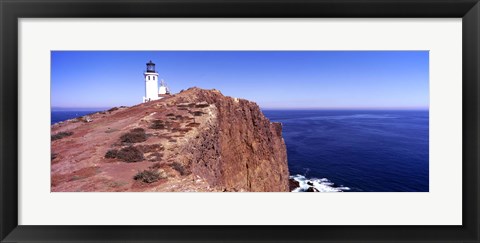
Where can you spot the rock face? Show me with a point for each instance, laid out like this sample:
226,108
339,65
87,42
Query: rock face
197,140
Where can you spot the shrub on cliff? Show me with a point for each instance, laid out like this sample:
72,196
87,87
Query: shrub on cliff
180,168
136,135
61,135
113,109
138,129
111,154
130,154
147,176
157,124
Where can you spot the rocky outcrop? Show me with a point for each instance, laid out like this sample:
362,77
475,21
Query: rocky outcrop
293,184
197,140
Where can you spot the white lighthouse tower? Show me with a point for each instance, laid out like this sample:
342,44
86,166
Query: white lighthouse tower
152,92
151,83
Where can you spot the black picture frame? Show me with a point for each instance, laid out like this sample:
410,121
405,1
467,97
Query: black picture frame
12,10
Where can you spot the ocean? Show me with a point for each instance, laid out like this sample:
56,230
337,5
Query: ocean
349,151
357,151
58,116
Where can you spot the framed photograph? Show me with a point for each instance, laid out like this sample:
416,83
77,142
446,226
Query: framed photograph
175,121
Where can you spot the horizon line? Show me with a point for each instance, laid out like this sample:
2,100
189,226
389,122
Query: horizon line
345,108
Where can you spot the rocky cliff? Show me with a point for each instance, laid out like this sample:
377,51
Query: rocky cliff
197,140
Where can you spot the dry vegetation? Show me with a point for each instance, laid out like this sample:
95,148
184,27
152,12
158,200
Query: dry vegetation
149,176
136,135
180,168
157,124
128,154
61,135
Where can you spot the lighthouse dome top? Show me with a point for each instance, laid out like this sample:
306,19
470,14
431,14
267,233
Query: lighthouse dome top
150,67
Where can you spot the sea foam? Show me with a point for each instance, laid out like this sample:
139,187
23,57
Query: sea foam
322,185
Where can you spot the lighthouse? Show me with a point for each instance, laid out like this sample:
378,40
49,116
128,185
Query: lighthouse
152,91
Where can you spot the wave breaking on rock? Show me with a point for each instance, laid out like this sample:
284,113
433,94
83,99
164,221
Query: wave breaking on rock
304,184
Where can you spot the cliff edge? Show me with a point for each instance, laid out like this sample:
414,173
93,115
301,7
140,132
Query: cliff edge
196,140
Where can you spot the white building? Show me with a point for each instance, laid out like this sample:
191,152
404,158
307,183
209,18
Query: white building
152,91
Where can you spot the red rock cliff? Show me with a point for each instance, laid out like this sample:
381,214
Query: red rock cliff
197,140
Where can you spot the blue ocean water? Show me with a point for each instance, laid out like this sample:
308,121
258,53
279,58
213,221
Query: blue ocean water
58,116
362,151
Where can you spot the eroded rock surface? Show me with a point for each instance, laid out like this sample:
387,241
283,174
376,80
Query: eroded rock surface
197,140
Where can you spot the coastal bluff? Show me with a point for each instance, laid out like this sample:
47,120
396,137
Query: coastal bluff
196,140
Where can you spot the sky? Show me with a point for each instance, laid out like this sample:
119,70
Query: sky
272,79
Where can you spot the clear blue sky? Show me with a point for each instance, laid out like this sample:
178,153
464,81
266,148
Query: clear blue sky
273,79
